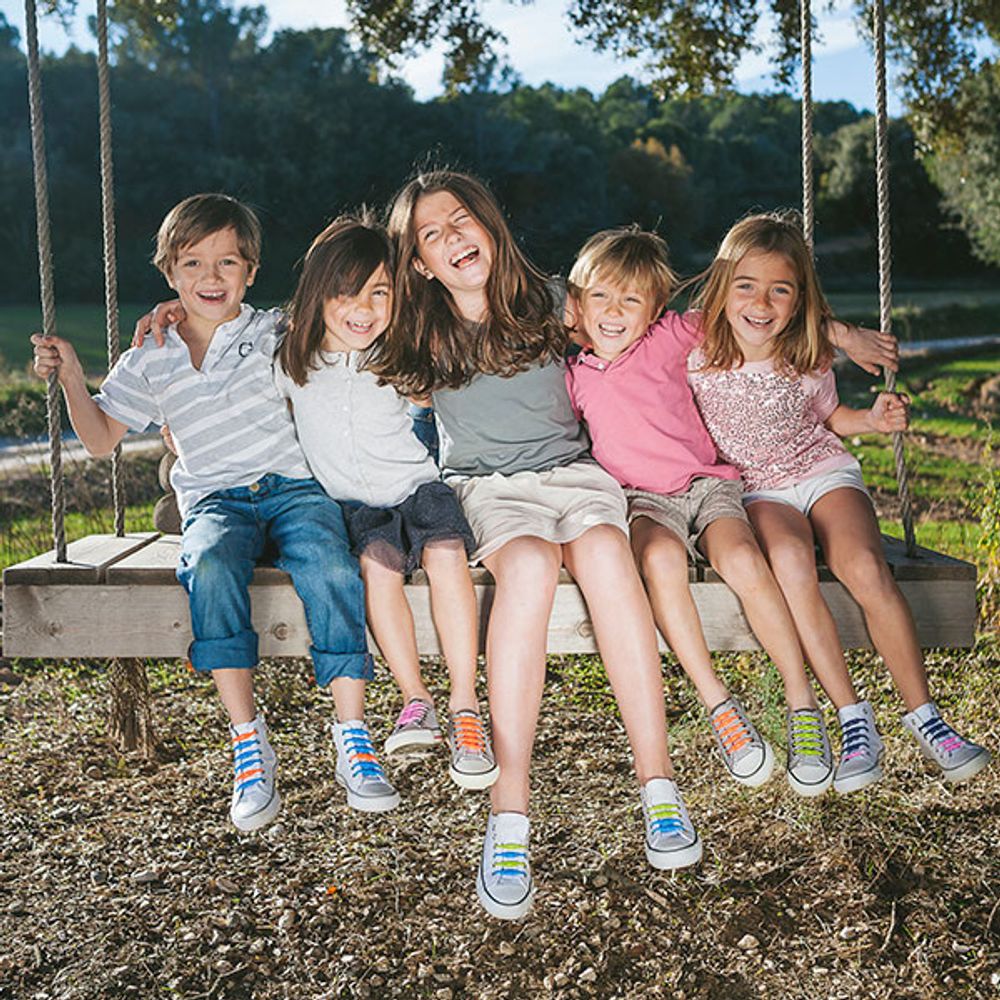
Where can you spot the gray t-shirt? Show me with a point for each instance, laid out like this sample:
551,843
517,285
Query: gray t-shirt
514,424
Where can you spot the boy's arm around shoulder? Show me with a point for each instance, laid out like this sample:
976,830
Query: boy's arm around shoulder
871,350
98,432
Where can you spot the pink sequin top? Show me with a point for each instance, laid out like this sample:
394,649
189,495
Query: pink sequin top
767,424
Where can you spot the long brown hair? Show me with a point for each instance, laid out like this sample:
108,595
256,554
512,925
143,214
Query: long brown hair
803,345
430,345
338,262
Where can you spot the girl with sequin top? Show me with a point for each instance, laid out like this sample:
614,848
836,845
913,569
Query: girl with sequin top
763,382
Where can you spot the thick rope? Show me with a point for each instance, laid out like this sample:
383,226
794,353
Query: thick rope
885,253
110,253
808,205
45,280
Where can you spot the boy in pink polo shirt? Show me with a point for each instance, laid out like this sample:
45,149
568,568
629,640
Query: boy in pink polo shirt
630,386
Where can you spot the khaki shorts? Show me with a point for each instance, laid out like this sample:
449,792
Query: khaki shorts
688,514
557,505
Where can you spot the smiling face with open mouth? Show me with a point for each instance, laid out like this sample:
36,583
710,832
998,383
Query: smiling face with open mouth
762,299
211,278
353,322
454,247
614,317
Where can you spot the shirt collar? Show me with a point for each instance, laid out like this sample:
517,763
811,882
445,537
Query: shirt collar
591,360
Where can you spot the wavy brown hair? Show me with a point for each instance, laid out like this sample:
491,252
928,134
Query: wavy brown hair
338,262
429,344
803,346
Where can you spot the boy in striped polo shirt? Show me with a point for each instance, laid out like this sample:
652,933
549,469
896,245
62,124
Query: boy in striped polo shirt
242,483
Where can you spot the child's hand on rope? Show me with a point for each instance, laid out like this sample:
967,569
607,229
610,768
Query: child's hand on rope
53,354
873,350
156,321
890,413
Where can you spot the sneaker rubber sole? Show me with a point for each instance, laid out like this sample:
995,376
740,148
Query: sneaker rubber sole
668,860
763,772
502,911
262,817
474,782
418,740
365,803
844,786
965,771
809,790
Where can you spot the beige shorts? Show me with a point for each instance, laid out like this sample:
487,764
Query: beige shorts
688,514
557,505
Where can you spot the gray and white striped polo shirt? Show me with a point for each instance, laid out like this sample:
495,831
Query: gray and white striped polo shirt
229,423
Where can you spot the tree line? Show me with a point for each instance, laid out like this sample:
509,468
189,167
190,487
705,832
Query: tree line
302,128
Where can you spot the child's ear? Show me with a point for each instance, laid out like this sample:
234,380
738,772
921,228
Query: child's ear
252,274
421,268
571,311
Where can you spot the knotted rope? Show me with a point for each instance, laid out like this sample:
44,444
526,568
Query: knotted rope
45,281
808,209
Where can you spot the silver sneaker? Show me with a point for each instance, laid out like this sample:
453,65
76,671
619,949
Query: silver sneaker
810,760
958,758
417,726
748,757
671,839
472,761
359,771
255,798
861,749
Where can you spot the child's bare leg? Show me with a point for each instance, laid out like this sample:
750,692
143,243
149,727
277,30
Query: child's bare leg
848,533
348,698
526,571
663,562
391,622
453,608
731,548
786,537
602,565
235,689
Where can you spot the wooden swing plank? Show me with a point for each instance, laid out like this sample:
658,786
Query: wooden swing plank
120,598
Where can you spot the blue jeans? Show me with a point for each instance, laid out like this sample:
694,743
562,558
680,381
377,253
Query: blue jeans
425,428
224,535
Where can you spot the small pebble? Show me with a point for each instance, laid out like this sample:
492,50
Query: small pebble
600,881
286,920
589,975
444,993
560,979
748,942
227,885
146,876
506,948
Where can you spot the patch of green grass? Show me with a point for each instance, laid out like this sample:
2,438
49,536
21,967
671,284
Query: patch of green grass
83,324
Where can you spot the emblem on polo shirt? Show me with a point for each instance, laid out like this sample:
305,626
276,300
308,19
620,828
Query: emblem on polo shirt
245,348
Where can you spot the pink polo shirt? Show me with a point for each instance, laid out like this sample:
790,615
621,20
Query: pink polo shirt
643,421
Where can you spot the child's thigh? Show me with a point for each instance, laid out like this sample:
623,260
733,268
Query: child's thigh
846,528
659,550
219,537
308,529
786,536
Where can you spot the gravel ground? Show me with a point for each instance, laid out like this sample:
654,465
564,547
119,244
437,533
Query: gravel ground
122,878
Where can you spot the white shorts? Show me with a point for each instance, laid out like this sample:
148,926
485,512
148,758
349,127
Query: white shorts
804,494
557,505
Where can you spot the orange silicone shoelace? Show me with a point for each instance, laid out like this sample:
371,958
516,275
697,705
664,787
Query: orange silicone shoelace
469,734
731,730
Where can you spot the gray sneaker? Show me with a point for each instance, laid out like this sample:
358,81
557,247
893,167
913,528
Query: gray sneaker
417,726
472,761
359,771
747,755
810,760
255,799
861,749
671,839
958,758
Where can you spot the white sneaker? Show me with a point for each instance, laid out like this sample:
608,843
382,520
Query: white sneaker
861,749
810,759
747,755
417,727
503,882
255,798
671,839
359,771
958,758
472,762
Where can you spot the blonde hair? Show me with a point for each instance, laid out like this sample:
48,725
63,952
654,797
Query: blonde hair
194,218
803,346
340,261
429,345
624,257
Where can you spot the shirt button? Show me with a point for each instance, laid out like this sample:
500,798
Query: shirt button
254,487
600,367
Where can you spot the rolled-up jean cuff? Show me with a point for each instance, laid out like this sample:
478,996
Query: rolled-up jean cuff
239,651
330,666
